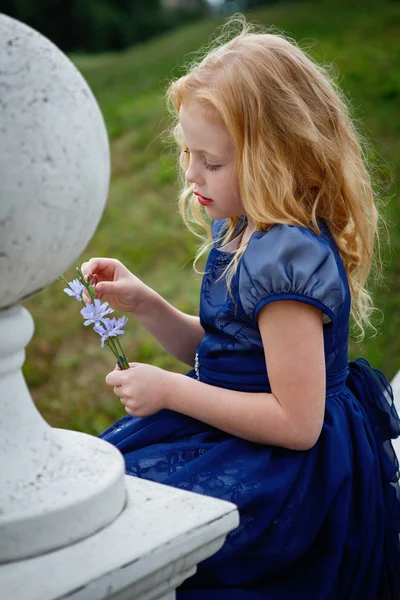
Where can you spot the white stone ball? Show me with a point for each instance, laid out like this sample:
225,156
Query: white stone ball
54,162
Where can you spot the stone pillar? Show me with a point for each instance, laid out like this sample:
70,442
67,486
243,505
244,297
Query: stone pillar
55,168
71,523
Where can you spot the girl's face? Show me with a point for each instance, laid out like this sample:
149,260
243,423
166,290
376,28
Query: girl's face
212,167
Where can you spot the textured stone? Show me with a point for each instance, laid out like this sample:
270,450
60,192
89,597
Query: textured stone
54,162
144,554
56,486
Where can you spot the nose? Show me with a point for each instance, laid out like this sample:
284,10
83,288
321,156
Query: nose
193,175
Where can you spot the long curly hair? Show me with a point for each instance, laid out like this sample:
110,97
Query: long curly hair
299,155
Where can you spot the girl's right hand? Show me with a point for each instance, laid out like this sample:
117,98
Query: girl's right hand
115,284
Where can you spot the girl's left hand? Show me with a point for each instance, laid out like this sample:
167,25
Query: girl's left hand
143,389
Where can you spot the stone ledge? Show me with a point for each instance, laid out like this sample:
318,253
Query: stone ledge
144,554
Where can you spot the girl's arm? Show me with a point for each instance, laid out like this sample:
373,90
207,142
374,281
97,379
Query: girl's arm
292,415
176,331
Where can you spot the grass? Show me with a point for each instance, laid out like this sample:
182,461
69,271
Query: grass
65,366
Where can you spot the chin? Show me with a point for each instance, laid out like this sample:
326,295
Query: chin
218,215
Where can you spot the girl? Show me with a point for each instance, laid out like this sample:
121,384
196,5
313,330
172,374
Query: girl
272,417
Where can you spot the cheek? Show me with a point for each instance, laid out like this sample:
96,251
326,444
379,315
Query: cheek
230,183
234,184
224,185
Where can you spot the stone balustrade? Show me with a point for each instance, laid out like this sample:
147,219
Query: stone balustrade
72,525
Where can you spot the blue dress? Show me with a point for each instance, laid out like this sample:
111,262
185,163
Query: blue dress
321,524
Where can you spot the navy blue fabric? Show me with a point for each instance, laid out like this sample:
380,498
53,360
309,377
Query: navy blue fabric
317,525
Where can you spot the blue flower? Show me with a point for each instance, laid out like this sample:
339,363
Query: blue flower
95,313
110,328
75,289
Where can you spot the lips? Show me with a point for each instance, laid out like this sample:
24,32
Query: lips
203,200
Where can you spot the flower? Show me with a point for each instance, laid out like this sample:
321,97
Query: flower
95,313
110,328
75,289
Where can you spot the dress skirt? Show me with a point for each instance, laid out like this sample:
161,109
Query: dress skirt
321,524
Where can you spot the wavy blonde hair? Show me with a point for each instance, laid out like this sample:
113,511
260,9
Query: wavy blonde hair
299,155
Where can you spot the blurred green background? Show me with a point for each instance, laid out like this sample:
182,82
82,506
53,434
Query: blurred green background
65,366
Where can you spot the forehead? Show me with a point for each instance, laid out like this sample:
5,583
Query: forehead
204,131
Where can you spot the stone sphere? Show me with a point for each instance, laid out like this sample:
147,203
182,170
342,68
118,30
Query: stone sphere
54,162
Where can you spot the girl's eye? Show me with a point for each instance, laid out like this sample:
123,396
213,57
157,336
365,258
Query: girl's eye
209,166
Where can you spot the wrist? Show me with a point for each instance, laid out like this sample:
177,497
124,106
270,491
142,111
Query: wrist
145,303
170,388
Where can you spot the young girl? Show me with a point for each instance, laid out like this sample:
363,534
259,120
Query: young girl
273,417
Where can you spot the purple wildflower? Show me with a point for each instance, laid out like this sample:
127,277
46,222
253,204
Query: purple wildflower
95,313
75,289
110,328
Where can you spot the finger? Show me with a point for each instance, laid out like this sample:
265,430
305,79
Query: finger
86,297
118,391
84,267
98,265
114,378
89,267
102,288
94,279
107,287
117,367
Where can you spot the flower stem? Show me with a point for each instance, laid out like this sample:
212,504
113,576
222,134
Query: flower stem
86,283
123,363
113,350
122,353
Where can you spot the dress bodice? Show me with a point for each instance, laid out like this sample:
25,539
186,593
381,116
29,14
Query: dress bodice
285,262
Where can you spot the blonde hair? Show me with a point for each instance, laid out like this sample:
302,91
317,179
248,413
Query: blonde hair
299,156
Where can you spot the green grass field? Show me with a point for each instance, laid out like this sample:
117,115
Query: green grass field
65,366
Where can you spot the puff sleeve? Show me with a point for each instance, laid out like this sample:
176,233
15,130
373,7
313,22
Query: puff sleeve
290,263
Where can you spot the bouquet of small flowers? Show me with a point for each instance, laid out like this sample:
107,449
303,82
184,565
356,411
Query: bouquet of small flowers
95,314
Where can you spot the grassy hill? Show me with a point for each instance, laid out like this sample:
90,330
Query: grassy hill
65,366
